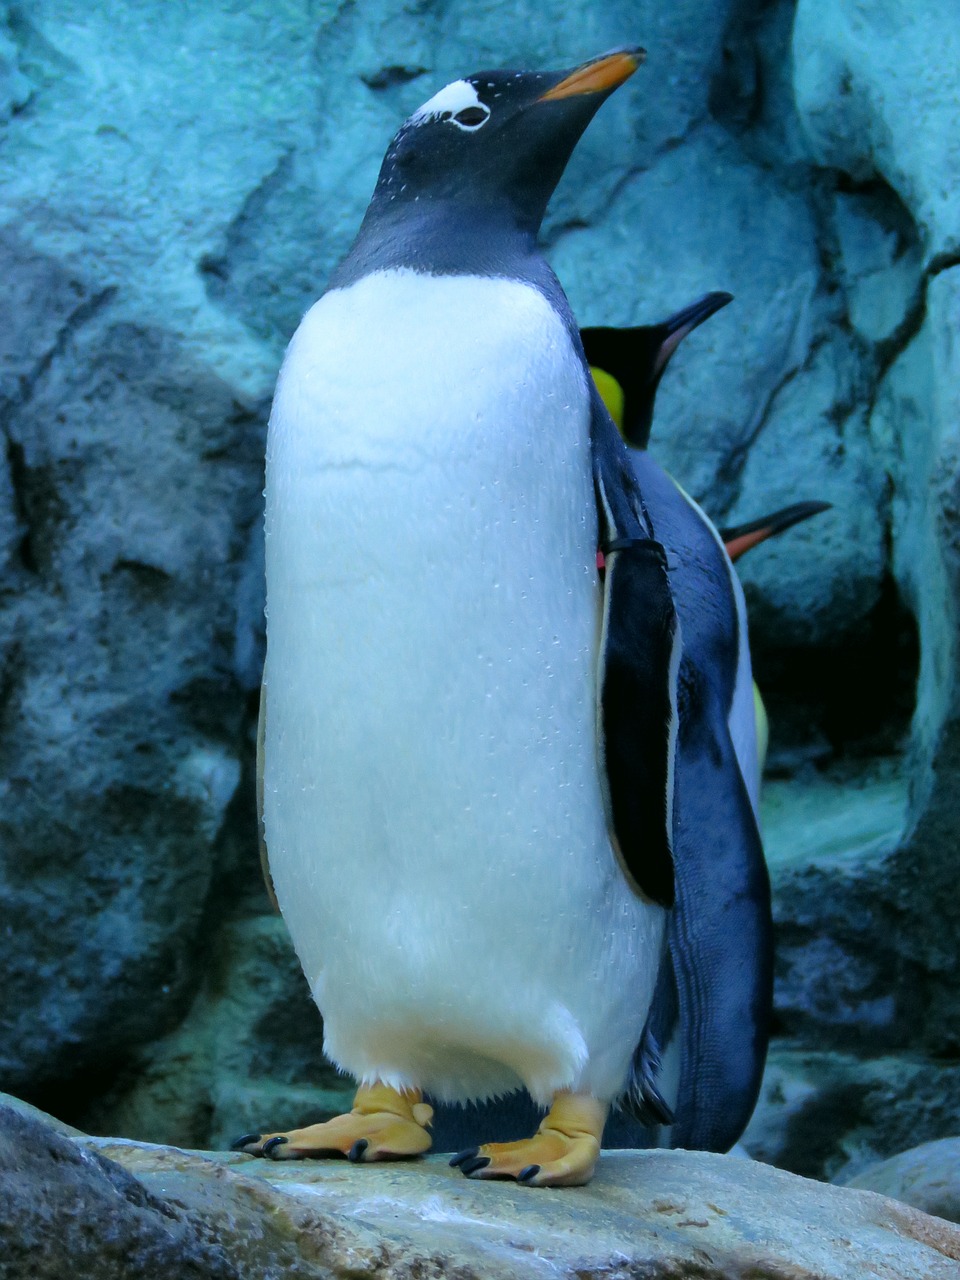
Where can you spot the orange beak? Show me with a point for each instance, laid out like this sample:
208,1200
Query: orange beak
600,75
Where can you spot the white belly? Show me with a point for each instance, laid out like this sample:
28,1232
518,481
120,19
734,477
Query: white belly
432,804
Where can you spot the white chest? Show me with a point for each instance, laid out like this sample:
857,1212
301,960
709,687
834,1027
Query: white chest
410,372
433,623
430,522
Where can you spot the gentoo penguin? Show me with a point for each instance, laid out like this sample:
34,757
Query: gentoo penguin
628,363
470,841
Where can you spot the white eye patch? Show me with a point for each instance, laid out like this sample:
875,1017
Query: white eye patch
457,103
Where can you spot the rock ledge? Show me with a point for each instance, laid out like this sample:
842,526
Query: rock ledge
107,1207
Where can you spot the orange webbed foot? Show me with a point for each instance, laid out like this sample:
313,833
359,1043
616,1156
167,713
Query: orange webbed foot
383,1125
562,1153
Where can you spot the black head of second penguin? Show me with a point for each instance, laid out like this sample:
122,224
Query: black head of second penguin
465,182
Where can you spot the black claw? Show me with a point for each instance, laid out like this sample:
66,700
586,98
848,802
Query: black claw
245,1141
470,1167
461,1156
271,1146
356,1151
529,1173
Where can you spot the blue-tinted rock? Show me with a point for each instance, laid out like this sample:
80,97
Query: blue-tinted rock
132,473
832,1115
66,1210
657,1214
876,99
247,1057
927,1177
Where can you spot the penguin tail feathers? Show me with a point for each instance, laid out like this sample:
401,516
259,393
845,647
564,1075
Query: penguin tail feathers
643,1099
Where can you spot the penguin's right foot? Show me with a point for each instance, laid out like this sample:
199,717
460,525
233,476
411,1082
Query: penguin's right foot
383,1125
562,1153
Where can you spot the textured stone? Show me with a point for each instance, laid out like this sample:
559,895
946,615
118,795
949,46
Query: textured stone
248,1055
927,1177
661,245
785,413
652,1214
832,1115
105,1208
29,1112
129,485
65,1210
15,88
823,579
842,977
880,262
133,474
863,865
917,422
875,97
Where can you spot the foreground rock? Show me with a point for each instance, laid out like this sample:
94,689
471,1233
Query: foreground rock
64,1210
111,1208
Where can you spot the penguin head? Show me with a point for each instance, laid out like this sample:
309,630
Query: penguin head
498,140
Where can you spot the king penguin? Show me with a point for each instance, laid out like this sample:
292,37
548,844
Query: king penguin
469,841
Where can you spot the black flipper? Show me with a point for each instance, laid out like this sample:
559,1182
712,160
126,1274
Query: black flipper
637,357
714,992
637,679
721,941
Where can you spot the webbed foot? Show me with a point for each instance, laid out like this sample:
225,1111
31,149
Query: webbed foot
562,1153
383,1125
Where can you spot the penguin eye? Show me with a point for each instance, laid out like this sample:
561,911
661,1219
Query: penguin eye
471,118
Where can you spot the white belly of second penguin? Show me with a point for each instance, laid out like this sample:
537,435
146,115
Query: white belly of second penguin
432,802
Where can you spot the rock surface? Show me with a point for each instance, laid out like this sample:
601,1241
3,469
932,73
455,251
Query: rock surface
65,1210
928,1177
249,1053
866,73
834,1115
105,1208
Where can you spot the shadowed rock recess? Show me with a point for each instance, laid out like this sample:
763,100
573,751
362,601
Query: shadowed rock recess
176,183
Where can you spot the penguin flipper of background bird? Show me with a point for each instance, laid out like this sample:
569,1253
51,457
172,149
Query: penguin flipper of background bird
711,1008
715,988
630,363
640,654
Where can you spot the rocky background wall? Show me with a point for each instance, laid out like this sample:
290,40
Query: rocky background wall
176,183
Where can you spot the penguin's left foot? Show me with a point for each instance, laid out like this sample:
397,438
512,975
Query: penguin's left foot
383,1125
562,1153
